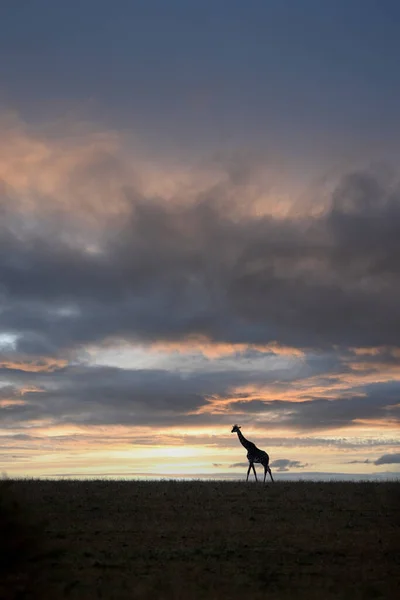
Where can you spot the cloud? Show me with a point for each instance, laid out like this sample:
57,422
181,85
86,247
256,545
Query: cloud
284,464
156,268
388,459
329,401
86,394
92,255
349,405
281,465
105,395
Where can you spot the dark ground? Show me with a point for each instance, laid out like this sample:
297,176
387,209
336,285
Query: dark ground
184,540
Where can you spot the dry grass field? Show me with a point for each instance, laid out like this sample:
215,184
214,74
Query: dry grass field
184,540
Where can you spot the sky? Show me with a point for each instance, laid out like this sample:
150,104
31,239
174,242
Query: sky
200,226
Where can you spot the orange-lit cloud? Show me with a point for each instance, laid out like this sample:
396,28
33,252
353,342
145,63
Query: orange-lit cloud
377,351
42,364
213,349
89,175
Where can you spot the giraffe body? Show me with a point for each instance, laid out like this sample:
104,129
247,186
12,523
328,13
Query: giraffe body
254,455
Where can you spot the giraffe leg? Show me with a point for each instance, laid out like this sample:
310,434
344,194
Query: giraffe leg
270,474
265,472
254,469
248,471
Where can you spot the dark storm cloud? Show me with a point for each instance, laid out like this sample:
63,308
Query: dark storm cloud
209,268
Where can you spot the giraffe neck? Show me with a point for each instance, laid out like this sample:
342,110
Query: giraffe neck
248,445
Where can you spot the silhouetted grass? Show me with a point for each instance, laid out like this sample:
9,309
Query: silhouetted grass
184,540
21,544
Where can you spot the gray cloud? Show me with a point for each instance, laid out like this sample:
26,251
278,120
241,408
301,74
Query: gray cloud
281,465
105,395
379,401
210,268
284,464
388,459
85,394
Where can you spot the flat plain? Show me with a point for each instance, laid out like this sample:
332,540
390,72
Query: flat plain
200,539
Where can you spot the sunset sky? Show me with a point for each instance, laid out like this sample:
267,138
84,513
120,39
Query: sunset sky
200,226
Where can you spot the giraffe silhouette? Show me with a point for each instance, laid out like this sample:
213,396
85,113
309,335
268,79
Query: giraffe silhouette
254,455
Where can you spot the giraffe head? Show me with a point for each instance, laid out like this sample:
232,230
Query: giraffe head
235,428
